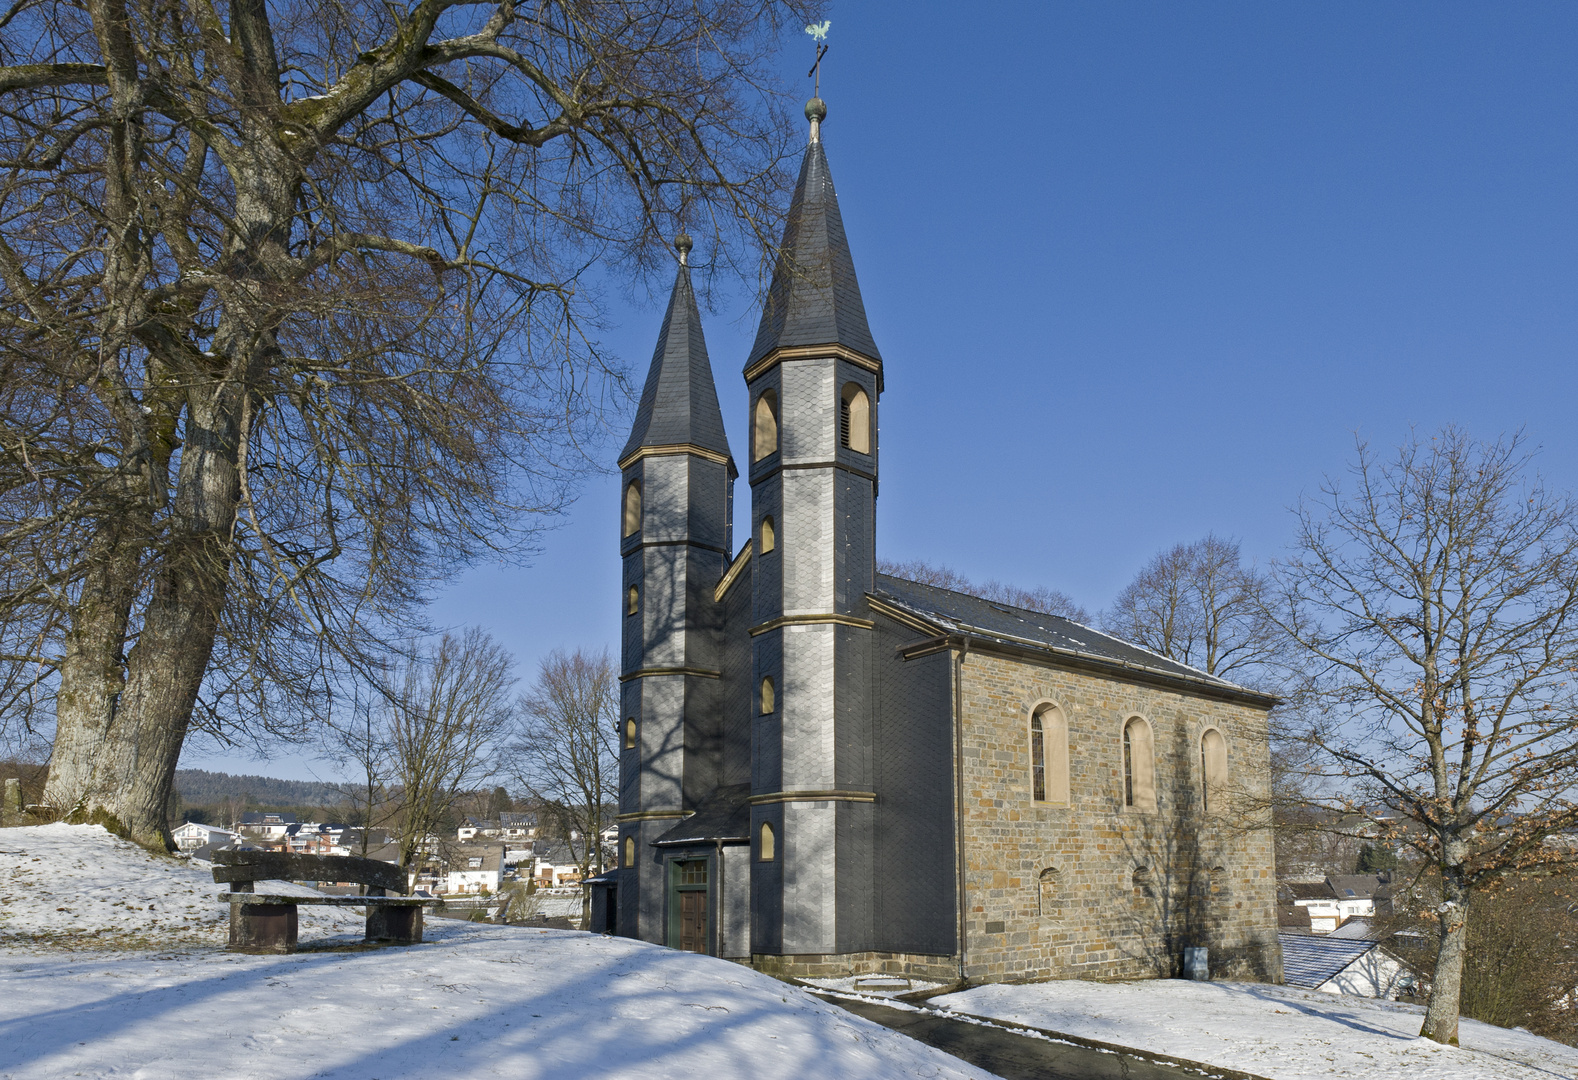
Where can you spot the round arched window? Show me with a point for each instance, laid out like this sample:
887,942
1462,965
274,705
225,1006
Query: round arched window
632,508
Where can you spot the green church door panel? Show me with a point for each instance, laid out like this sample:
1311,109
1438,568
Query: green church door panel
693,921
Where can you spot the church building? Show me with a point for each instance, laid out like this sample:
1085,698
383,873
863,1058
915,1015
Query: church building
830,771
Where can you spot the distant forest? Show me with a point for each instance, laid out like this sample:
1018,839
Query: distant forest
199,787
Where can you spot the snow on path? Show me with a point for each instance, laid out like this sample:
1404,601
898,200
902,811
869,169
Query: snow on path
1273,1031
473,1001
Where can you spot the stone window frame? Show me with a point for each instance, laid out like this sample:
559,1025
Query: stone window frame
630,733
1136,789
768,532
767,696
766,843
633,600
1054,753
630,851
1210,786
632,509
765,441
854,418
1049,894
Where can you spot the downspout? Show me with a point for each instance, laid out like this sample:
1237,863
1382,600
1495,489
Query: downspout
958,788
722,910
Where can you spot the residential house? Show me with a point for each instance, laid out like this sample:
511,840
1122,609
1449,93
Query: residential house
1343,966
475,869
192,835
266,826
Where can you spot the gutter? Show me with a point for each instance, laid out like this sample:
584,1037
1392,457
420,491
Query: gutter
958,787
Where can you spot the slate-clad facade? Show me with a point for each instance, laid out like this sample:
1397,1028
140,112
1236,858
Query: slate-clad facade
828,770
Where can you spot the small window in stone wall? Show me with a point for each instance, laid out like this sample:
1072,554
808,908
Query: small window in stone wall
854,419
632,600
630,733
630,851
1213,769
767,847
769,535
769,700
764,437
632,508
1139,766
1049,755
1049,895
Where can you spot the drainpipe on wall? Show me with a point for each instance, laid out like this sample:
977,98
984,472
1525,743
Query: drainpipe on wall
958,787
723,914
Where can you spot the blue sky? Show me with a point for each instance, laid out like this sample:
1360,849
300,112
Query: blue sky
1140,271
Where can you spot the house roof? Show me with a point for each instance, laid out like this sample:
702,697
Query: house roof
1310,890
268,819
1308,961
724,815
679,403
1358,886
1292,917
986,621
1355,930
814,298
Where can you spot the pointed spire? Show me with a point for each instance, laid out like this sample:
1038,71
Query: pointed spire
814,298
679,403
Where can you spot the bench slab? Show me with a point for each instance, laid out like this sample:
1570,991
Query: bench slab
333,901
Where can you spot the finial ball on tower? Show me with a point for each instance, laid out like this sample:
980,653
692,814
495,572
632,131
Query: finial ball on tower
683,244
816,109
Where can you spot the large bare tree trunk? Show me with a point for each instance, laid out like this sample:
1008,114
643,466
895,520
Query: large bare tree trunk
1446,985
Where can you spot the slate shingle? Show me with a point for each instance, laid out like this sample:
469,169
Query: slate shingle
679,403
814,298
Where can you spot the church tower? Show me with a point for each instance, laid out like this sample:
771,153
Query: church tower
814,375
675,535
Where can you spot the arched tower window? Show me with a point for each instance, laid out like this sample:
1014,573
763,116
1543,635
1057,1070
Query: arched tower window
764,425
1213,769
769,535
632,600
767,849
630,851
1048,893
1139,768
630,733
1049,755
854,419
632,508
769,703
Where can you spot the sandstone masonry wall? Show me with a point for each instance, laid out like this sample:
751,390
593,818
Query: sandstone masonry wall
1094,889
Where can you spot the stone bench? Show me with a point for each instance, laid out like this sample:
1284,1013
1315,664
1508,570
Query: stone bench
266,921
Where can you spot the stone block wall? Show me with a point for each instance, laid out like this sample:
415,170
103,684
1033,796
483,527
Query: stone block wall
1092,888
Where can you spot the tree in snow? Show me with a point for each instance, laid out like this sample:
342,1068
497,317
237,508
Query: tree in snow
299,314
1435,597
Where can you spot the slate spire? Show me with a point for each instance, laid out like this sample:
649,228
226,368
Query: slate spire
814,298
679,403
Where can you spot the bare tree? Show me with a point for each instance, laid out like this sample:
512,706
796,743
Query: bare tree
450,711
1041,598
361,741
567,755
1200,605
1436,599
299,313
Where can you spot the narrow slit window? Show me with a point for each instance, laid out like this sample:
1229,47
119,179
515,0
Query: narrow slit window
632,600
1047,893
767,849
854,419
764,440
1139,785
630,733
1213,769
1038,760
769,535
632,508
769,702
630,851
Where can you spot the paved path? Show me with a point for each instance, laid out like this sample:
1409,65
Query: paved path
1020,1057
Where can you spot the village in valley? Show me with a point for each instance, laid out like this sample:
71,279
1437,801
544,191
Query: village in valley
397,679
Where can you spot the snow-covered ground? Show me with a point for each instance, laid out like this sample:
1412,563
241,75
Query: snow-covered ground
473,1001
1272,1031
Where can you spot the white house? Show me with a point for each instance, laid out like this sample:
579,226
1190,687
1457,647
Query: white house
191,836
267,826
1343,966
475,869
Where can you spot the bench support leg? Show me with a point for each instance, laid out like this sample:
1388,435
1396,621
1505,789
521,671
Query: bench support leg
263,928
401,924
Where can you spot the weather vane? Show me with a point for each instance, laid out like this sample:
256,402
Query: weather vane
818,32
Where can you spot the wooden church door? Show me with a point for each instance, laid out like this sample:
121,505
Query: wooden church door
691,896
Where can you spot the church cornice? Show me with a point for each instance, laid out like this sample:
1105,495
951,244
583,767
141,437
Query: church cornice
673,449
698,673
812,620
815,352
833,795
654,815
732,574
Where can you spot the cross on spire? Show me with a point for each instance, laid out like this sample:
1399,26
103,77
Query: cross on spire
818,32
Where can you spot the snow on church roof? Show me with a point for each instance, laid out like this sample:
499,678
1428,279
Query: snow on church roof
988,621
